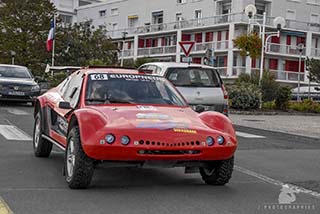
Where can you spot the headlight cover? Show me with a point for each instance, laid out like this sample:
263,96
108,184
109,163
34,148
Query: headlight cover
35,88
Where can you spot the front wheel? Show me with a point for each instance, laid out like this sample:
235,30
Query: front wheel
78,166
41,146
218,172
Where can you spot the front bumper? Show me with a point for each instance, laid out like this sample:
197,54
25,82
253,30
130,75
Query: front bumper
19,96
164,146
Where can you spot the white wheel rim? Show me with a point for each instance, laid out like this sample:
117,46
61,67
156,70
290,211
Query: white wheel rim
71,158
37,133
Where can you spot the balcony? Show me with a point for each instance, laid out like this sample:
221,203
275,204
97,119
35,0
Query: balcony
209,22
126,53
215,45
157,50
283,49
184,24
315,52
287,75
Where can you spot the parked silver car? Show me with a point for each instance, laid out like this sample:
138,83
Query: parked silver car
201,85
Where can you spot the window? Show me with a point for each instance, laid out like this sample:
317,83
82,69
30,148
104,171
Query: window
291,15
314,2
181,1
102,13
73,89
157,17
65,19
198,16
133,21
114,12
314,18
115,26
178,17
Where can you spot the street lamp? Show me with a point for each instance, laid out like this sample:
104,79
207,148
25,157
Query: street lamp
124,34
13,54
279,23
300,48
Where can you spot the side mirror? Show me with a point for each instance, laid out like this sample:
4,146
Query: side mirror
64,105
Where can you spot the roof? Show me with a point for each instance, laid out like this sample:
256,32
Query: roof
13,66
176,64
109,70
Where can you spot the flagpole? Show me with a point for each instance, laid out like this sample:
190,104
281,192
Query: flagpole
54,39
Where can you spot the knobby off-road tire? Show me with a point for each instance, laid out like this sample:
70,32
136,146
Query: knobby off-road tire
41,146
78,166
219,173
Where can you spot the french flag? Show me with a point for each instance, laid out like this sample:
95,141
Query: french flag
51,36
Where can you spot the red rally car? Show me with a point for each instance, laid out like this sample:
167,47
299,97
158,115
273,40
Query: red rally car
119,117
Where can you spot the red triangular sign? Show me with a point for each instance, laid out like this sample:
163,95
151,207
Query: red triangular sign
186,47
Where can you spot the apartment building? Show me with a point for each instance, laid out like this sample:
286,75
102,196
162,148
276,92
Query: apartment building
67,9
154,28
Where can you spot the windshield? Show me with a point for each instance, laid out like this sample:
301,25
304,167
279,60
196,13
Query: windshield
14,72
131,88
193,77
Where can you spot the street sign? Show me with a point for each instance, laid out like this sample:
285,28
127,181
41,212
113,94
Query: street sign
187,59
186,47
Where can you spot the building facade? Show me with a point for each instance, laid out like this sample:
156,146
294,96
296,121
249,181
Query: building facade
155,29
67,9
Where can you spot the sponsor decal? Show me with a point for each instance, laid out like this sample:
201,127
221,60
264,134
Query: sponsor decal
134,77
188,131
99,76
146,108
163,125
153,116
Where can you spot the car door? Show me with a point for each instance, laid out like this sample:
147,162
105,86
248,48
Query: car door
69,92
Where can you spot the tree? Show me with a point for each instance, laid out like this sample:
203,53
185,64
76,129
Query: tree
83,44
24,27
249,45
313,66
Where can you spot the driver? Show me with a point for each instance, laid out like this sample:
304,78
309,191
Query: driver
98,91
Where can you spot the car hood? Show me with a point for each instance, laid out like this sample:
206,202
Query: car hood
151,117
17,81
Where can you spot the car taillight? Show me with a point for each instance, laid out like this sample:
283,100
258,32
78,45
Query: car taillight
225,93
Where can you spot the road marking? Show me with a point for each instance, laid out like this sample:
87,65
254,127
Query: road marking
276,182
11,132
247,135
16,111
4,208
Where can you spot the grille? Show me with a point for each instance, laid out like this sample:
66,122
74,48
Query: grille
157,143
20,87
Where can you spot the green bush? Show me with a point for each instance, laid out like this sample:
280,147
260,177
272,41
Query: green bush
244,96
306,105
282,97
269,86
269,105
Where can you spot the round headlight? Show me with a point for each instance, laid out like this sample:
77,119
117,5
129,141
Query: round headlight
110,138
210,141
220,140
125,140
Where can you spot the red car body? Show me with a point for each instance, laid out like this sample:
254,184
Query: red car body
157,133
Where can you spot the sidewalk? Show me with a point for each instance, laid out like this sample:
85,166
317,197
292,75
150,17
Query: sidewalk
308,126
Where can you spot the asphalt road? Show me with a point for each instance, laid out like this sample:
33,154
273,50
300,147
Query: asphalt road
264,162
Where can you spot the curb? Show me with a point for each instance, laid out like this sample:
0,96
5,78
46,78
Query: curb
293,113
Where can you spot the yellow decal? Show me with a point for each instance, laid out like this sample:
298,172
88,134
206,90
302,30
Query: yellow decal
4,208
189,131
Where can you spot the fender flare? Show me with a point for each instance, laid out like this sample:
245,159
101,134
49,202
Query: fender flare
40,106
218,121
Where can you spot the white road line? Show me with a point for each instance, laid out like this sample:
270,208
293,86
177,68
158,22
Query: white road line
275,182
11,132
247,135
16,111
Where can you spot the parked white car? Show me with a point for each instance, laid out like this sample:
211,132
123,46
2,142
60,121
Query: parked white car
304,93
201,85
